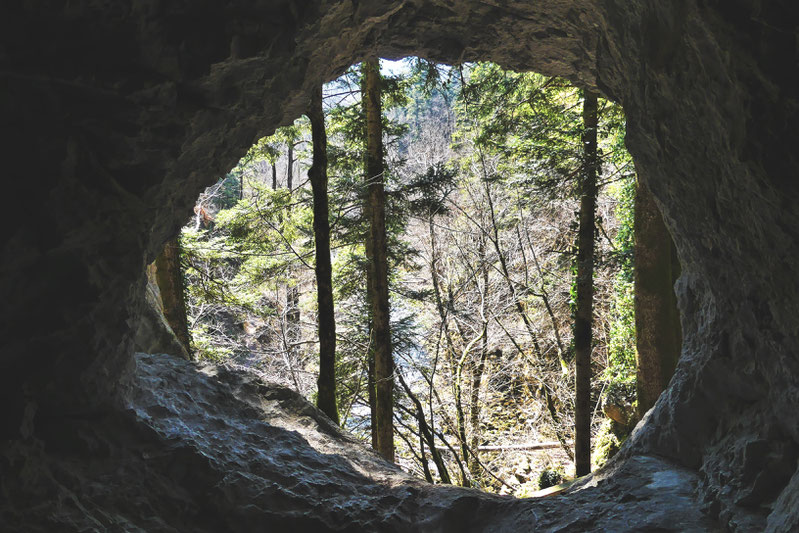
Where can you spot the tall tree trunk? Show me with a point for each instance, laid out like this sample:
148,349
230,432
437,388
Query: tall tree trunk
274,176
377,259
371,395
293,317
479,369
290,165
326,384
171,284
460,413
583,319
658,335
292,291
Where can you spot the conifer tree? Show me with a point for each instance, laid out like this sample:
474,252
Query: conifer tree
583,320
326,383
377,260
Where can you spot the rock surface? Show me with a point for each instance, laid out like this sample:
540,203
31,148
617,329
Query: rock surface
153,333
201,448
115,114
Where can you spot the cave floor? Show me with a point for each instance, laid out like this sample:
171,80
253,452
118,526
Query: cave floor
202,448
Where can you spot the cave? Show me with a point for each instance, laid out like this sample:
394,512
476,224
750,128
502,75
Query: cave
116,114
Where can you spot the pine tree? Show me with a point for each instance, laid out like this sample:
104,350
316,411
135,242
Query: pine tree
583,321
377,260
326,383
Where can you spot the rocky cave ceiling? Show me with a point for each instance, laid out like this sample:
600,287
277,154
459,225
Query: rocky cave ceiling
115,114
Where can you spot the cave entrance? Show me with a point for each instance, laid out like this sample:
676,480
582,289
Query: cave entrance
482,200
115,113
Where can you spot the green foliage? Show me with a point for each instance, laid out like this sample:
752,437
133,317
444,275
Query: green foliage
254,246
621,348
532,121
426,194
549,477
606,444
206,347
620,373
229,190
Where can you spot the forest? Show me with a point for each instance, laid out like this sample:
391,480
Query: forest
458,265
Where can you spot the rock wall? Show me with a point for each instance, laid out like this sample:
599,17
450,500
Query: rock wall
116,114
153,333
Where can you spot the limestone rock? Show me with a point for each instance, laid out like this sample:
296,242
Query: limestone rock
205,449
153,334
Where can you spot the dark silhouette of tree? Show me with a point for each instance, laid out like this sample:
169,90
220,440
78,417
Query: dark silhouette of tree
377,260
326,383
583,319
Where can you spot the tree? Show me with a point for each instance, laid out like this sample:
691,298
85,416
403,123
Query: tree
241,266
292,290
657,319
377,260
526,133
583,319
350,223
170,282
326,383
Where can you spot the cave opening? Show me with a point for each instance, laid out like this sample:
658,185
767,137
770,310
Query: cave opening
482,177
145,105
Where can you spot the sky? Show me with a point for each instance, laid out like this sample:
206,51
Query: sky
393,68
